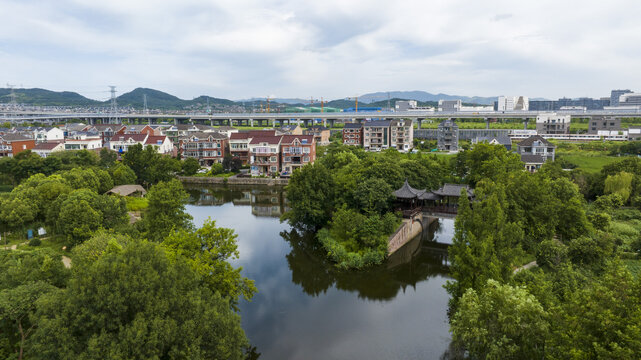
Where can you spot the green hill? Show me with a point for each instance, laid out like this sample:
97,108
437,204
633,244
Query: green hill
42,97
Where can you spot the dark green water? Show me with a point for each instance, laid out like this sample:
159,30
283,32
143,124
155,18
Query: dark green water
306,309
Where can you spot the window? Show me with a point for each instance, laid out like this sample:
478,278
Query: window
288,159
306,159
274,168
273,159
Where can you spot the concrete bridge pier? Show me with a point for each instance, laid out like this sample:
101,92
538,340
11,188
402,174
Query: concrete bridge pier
251,122
331,123
325,122
175,121
419,123
487,123
525,122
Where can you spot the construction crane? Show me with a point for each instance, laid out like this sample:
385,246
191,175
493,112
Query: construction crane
269,98
355,98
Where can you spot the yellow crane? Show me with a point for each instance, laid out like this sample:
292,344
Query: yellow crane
355,98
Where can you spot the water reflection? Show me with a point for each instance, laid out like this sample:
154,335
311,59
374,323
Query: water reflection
308,309
315,274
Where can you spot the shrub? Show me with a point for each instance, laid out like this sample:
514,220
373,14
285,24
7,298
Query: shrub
217,169
35,242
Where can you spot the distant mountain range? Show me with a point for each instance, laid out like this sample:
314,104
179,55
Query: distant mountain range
160,100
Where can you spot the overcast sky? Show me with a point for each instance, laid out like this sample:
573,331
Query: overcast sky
325,48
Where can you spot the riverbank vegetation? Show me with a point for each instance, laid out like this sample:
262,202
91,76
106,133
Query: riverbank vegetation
582,300
97,286
347,195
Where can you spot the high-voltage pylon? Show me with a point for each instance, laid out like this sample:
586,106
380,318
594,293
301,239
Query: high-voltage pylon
113,110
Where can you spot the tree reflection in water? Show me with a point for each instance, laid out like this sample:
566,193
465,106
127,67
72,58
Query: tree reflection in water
312,270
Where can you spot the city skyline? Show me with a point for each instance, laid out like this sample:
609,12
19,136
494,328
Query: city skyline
332,49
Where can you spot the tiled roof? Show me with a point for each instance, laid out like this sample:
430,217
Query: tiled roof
265,139
529,141
532,159
15,137
153,140
501,139
203,135
252,133
353,126
288,139
452,190
407,192
135,137
47,145
378,123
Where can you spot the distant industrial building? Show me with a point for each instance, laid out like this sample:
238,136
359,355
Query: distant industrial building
449,105
553,105
630,99
512,103
447,135
405,105
601,123
553,124
615,95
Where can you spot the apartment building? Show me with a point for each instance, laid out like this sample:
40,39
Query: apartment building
296,151
447,135
320,133
600,123
13,144
239,143
402,135
553,124
353,134
207,148
264,155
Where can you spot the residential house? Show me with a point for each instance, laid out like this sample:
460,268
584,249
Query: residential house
320,134
48,134
532,162
376,135
161,143
226,130
264,155
289,130
122,143
537,145
82,140
353,134
13,144
601,123
296,151
207,148
447,135
180,130
402,135
553,124
44,149
239,143
106,131
494,140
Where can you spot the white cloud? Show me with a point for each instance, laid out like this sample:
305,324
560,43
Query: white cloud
334,48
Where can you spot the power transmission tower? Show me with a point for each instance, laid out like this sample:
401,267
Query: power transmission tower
113,111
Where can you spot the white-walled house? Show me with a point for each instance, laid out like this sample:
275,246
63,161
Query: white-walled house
48,134
83,141
44,149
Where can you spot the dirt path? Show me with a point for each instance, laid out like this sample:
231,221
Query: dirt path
526,266
66,261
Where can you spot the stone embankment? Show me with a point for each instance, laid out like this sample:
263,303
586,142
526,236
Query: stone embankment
233,180
409,229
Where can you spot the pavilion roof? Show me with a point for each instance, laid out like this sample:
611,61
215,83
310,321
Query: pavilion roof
407,192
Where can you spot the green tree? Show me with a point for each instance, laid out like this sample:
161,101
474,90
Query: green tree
311,195
131,302
501,322
107,158
374,196
620,184
208,250
78,220
122,175
166,211
190,166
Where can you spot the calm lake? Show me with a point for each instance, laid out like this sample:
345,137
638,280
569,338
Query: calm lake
307,309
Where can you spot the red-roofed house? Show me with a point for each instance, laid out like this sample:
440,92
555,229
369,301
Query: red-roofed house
239,142
264,155
207,148
296,151
162,144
